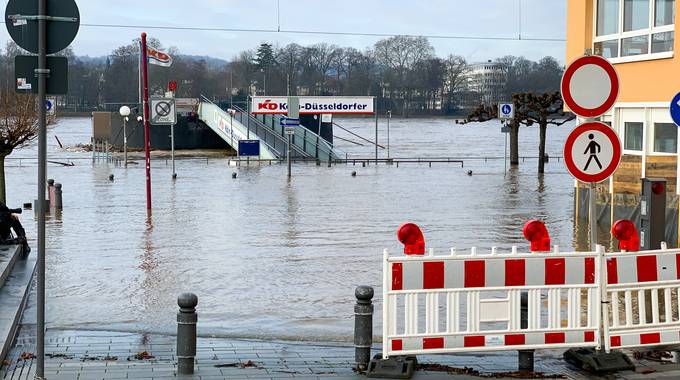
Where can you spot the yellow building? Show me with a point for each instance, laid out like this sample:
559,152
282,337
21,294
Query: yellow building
637,36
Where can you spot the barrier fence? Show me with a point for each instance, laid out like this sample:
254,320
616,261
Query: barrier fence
463,302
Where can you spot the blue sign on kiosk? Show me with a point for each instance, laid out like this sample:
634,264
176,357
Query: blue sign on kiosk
249,148
675,109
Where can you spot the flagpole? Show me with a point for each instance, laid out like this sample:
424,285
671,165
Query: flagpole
146,124
139,77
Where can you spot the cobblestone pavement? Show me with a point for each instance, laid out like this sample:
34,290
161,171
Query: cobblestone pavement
113,355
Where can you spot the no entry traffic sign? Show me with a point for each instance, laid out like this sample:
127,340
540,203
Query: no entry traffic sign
592,152
590,86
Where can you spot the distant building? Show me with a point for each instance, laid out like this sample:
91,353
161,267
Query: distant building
486,82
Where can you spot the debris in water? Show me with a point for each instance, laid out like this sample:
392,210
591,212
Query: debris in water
26,356
248,364
655,356
143,355
487,375
59,356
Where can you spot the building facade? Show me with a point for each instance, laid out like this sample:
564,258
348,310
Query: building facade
486,83
638,37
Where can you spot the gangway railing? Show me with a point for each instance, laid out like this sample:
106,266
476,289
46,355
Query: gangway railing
305,140
261,129
217,118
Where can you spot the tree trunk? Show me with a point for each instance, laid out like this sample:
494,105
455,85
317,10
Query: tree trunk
2,180
514,143
543,126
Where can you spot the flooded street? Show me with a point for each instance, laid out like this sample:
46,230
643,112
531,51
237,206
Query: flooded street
267,257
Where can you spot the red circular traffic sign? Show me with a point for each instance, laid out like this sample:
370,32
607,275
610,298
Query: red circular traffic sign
172,85
592,152
590,86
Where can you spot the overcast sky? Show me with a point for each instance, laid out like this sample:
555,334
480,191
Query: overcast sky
481,18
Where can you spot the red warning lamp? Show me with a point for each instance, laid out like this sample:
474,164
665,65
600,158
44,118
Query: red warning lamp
658,188
625,232
412,238
537,234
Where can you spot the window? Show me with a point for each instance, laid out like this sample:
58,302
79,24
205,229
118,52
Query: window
629,30
633,136
665,138
635,15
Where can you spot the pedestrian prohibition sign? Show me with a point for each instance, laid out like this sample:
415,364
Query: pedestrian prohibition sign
592,152
590,86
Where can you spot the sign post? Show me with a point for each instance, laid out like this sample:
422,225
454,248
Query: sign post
506,111
289,124
590,86
42,30
164,112
592,152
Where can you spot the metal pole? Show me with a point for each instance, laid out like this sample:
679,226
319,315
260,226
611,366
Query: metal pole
125,140
42,177
248,119
172,142
592,218
146,124
505,156
375,111
389,117
139,71
288,154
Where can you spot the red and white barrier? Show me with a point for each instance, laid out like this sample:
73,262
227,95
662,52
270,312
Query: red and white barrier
458,303
472,302
643,290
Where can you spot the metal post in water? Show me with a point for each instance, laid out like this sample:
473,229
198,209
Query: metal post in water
42,73
505,156
58,201
186,333
50,191
172,148
375,111
125,140
288,155
363,326
389,117
525,360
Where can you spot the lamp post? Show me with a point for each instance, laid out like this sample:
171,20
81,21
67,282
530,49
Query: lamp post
125,112
231,113
389,117
264,82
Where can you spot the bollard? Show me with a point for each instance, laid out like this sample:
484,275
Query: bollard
58,202
525,357
50,192
363,326
186,333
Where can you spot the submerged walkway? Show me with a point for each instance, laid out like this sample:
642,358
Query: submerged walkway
116,355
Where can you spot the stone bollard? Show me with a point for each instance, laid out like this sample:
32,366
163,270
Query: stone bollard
525,361
186,333
58,203
50,192
363,326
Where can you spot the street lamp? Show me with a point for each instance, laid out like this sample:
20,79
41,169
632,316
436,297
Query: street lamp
125,112
264,82
389,117
231,113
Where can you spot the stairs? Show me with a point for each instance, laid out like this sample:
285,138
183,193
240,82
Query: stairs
16,273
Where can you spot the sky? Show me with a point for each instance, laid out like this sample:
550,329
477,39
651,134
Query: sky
479,18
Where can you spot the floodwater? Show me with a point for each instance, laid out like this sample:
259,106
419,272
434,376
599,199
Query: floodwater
270,258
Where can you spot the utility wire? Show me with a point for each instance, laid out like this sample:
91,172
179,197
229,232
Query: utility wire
319,32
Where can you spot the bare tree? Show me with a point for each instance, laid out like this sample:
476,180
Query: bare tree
402,56
542,109
18,127
455,83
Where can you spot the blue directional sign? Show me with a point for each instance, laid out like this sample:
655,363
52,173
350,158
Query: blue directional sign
249,148
289,122
675,109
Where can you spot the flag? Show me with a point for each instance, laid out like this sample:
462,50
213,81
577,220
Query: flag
159,58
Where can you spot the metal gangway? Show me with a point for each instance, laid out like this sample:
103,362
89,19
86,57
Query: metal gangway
239,125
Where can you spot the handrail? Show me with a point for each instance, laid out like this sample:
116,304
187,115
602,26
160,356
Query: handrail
273,132
354,134
269,146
